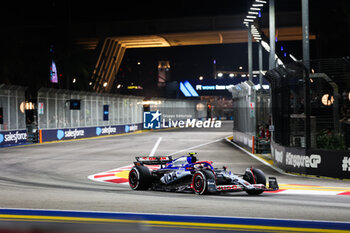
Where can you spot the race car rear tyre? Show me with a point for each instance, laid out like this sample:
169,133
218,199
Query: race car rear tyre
255,176
140,178
200,181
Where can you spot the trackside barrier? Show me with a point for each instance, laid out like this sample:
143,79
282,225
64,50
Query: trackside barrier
12,107
244,140
13,137
327,163
12,115
46,135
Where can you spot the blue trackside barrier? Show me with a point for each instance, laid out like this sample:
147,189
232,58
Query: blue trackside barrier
47,135
13,137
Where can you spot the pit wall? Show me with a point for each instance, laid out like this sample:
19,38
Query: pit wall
322,163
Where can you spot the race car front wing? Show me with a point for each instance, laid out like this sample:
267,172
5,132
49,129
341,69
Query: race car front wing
273,186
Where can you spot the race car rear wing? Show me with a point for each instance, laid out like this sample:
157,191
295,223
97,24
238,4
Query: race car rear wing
156,160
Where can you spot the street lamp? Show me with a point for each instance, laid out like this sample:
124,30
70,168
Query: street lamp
253,12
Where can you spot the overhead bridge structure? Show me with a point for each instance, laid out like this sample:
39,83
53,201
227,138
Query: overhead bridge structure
203,31
113,49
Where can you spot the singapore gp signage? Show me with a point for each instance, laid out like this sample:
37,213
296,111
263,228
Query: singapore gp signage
153,120
328,163
13,137
346,164
311,161
294,158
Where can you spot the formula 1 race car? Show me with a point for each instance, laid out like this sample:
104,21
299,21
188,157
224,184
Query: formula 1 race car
187,174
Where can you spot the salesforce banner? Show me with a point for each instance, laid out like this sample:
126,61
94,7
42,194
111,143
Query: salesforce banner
85,132
14,137
329,163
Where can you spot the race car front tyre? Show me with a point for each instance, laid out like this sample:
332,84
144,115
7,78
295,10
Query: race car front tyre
255,176
140,178
200,181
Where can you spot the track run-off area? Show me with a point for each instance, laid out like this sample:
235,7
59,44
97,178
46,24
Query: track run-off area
85,182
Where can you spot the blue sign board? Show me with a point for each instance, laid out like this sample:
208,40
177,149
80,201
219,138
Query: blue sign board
213,87
13,137
85,132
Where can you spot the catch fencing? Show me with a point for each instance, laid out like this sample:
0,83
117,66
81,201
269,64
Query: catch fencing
12,115
54,109
65,115
311,117
326,106
12,101
251,115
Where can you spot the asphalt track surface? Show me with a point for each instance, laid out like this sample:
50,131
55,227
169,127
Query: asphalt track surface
54,176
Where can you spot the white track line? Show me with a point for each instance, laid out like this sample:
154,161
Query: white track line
155,147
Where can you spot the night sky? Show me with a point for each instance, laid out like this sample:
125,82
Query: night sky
30,28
